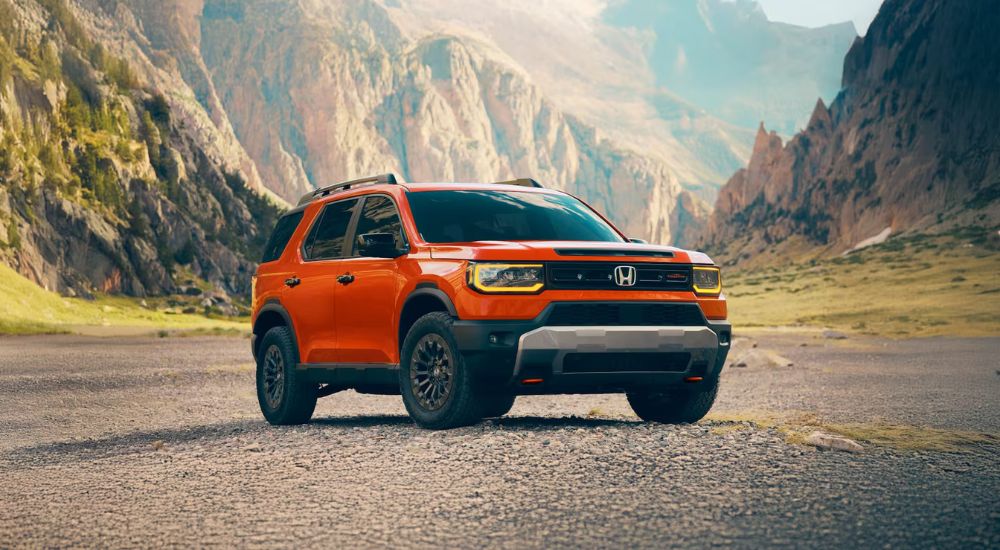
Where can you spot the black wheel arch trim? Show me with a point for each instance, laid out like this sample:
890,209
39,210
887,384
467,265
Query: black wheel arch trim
272,305
431,289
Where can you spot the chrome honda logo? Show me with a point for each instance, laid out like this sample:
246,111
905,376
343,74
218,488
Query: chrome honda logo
625,275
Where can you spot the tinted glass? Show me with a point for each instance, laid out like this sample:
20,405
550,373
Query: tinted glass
328,235
467,216
379,215
280,236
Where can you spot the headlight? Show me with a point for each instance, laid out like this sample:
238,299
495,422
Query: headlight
507,278
707,280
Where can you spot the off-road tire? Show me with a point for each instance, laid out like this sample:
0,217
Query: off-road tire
460,406
674,407
496,405
297,399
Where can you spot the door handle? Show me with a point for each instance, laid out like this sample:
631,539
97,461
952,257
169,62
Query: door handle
293,281
345,279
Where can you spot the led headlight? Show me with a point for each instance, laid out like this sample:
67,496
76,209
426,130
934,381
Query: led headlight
707,280
507,278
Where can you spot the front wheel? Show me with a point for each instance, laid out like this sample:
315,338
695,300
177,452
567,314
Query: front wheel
437,388
284,398
673,407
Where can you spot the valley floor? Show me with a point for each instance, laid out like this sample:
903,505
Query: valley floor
945,284
158,441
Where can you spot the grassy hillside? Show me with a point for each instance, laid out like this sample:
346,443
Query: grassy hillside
25,308
919,285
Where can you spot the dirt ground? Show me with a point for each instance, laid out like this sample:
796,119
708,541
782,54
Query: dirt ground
133,441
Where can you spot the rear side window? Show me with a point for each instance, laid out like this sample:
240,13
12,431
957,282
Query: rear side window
329,233
379,215
282,233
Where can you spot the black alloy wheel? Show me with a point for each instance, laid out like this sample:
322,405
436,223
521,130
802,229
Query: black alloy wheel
432,372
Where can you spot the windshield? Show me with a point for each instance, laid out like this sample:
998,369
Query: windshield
468,216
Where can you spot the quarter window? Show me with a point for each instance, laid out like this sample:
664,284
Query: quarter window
379,215
329,234
283,231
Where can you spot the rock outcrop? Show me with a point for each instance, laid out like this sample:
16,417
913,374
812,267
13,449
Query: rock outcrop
107,184
910,143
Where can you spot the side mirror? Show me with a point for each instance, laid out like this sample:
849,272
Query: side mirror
379,245
638,241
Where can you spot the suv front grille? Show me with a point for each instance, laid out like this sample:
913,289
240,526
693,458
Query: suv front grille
629,314
626,362
600,276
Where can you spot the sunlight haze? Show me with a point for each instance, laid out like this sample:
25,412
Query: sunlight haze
816,13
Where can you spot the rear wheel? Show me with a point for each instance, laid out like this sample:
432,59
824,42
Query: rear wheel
673,407
437,388
496,405
283,397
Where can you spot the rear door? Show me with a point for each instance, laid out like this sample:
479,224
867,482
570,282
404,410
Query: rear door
312,302
366,306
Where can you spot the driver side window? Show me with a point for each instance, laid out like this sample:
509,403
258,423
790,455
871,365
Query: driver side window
327,239
379,215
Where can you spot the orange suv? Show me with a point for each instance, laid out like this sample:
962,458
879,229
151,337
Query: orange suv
461,297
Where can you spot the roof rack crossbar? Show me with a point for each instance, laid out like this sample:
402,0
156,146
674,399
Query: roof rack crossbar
523,182
324,191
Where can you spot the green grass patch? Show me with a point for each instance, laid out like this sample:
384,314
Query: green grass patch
26,308
909,286
795,426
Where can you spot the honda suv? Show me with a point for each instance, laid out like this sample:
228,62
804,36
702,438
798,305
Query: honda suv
461,297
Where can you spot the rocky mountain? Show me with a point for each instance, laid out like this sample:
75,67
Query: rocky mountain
909,144
142,137
614,65
107,184
320,91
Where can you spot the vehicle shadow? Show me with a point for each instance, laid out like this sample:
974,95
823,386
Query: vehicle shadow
506,422
558,422
155,440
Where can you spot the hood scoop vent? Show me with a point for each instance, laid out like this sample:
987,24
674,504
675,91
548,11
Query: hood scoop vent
614,252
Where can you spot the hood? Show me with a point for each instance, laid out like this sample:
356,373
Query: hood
565,251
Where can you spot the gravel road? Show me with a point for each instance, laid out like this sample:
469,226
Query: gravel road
150,442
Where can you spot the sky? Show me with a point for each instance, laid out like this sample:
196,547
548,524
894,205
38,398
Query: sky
816,13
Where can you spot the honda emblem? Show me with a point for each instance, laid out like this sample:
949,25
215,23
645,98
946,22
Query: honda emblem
625,275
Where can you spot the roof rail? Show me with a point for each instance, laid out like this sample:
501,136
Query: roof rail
324,191
523,182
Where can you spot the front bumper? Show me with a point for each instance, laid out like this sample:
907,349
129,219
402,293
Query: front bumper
591,359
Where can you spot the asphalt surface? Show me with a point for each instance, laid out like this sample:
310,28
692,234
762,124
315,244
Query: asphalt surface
153,442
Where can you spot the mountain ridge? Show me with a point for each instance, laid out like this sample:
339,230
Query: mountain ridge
906,146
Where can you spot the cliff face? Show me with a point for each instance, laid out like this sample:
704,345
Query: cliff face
319,92
105,183
910,142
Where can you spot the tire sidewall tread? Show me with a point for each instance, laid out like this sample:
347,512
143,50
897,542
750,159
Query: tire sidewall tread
299,398
674,407
462,407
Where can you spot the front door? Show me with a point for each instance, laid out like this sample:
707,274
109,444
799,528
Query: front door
312,302
366,297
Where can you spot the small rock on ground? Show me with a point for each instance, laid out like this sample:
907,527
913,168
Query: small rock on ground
822,440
